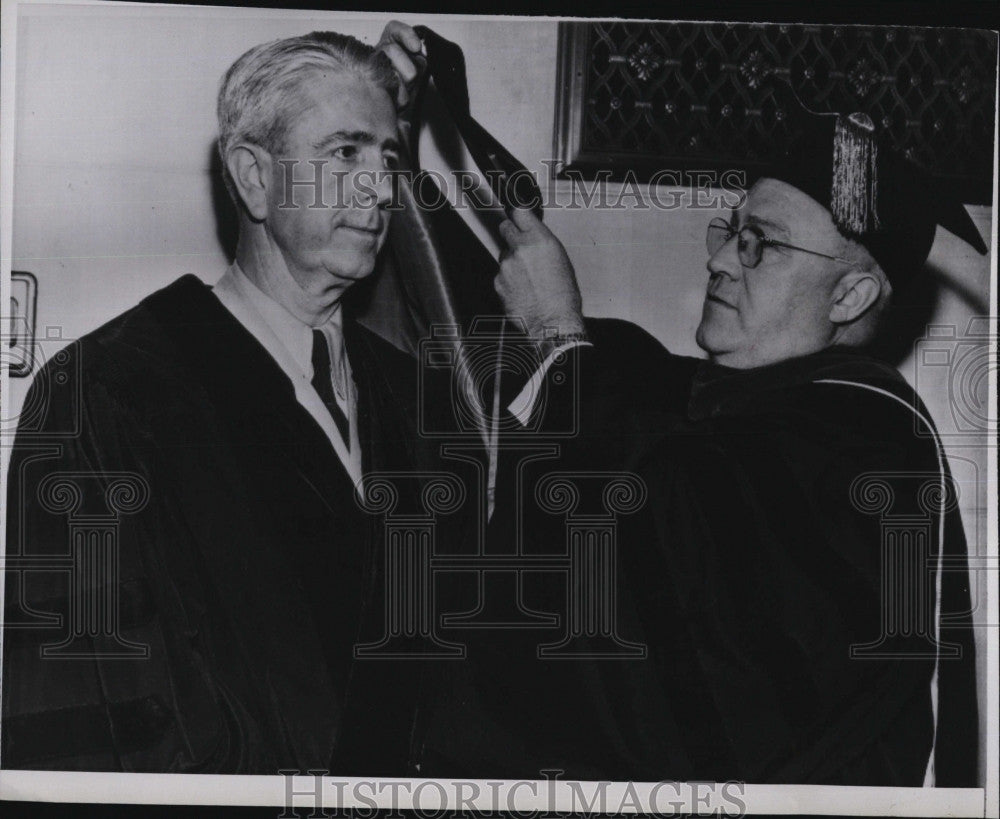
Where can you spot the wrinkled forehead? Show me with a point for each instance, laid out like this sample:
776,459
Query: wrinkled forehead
341,102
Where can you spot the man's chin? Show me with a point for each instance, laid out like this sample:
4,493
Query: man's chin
353,269
714,341
706,338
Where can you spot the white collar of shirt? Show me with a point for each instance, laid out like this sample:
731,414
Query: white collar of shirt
523,406
289,342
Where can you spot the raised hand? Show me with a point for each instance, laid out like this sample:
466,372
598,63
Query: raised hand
536,279
400,43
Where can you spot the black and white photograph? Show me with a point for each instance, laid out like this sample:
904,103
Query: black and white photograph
479,413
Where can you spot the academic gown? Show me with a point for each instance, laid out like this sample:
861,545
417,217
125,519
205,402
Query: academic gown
748,574
247,570
756,569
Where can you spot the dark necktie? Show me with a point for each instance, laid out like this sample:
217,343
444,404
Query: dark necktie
323,384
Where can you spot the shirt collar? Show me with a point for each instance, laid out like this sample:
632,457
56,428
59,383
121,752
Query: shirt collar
294,334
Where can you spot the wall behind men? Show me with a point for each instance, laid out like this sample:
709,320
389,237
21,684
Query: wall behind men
115,125
114,143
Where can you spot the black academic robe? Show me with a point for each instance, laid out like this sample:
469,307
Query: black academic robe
760,570
246,571
749,574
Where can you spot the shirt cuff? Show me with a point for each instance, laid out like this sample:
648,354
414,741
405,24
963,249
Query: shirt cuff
524,405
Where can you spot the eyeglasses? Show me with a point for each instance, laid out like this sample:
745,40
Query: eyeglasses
751,243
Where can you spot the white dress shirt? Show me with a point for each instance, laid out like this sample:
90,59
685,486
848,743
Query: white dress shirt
289,342
524,404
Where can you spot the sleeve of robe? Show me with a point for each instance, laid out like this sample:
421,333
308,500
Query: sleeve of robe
162,712
518,713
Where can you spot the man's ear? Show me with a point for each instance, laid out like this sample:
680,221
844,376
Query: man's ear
250,168
853,295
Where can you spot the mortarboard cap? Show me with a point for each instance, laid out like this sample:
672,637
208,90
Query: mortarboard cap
876,196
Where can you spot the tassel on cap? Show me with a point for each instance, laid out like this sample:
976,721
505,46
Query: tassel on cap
854,192
874,193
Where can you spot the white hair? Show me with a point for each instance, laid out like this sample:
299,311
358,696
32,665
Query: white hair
261,93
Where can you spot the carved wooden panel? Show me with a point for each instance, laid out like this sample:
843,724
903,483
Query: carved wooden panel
699,95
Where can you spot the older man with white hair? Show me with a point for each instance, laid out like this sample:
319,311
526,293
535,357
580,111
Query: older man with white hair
244,415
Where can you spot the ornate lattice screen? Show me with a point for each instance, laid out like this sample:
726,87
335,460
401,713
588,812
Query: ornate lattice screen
645,97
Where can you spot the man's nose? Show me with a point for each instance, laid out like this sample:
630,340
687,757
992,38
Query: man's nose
383,187
373,186
726,260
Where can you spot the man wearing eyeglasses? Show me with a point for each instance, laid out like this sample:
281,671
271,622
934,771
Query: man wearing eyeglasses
792,636
763,305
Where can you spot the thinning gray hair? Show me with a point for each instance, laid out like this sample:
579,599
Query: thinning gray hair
262,92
